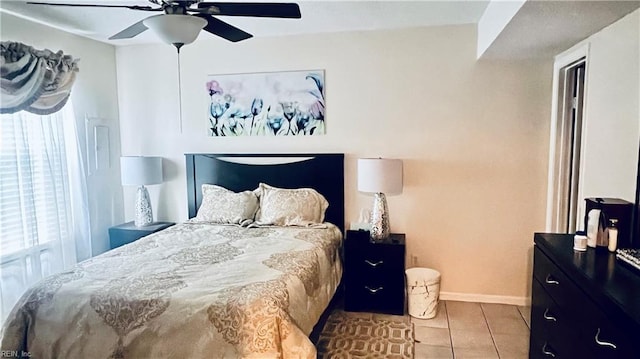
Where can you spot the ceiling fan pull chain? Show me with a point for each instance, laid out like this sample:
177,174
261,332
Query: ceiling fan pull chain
179,87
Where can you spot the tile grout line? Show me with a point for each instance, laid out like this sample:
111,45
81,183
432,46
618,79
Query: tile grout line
523,318
495,346
446,312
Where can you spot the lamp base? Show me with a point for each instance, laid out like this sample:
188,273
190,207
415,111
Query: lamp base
379,218
144,215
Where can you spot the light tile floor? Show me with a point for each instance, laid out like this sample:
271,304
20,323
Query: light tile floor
473,330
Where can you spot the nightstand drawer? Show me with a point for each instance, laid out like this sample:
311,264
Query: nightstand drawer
381,279
375,298
378,261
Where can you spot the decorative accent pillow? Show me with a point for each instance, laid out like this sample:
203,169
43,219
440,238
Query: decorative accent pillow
290,207
220,205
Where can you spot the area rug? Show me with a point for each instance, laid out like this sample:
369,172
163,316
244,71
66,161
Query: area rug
365,335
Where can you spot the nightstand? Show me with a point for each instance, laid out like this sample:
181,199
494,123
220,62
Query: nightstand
127,232
374,273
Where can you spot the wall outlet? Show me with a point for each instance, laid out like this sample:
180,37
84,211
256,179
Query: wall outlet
414,261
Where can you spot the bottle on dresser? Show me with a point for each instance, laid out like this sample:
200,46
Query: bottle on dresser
612,234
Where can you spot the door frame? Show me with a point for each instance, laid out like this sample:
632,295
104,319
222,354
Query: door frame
561,61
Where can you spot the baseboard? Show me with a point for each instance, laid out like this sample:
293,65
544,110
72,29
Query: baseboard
486,298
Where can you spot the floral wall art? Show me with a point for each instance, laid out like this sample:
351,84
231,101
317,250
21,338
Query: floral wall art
267,104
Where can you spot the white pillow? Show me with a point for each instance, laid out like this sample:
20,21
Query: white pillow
290,207
220,205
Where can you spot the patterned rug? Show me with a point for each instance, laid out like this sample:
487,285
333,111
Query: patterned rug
365,335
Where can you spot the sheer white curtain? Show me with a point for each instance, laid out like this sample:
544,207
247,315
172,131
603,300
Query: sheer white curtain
44,219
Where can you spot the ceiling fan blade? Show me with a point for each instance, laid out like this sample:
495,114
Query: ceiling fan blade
223,29
132,7
130,32
284,10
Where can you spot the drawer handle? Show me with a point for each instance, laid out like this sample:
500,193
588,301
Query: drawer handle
551,280
603,343
373,290
373,264
549,317
548,352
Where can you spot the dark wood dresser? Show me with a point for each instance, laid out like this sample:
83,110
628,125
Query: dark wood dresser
584,304
374,273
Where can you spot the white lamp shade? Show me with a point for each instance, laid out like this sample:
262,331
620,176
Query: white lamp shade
139,170
380,175
176,28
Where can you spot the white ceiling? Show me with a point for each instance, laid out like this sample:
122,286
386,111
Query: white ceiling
541,28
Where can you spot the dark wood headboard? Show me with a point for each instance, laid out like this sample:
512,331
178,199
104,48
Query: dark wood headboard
240,172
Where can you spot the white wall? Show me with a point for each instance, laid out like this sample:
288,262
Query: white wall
612,112
473,136
94,95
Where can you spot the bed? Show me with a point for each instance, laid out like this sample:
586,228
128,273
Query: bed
201,289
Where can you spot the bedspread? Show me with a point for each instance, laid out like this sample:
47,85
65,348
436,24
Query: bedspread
190,291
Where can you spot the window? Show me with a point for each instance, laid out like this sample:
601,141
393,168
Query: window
38,164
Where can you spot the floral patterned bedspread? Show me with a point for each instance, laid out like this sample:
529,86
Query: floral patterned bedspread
190,291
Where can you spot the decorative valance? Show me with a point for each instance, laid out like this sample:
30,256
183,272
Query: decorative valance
38,81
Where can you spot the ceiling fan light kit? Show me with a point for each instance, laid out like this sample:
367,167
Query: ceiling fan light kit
176,29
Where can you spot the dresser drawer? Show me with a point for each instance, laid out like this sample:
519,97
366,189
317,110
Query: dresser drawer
551,327
603,338
563,291
541,348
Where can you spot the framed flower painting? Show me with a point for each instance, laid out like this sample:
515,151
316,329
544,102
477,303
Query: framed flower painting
267,104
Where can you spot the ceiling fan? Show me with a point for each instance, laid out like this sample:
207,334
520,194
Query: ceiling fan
181,22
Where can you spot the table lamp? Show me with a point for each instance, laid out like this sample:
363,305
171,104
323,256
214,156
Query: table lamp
380,176
141,171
